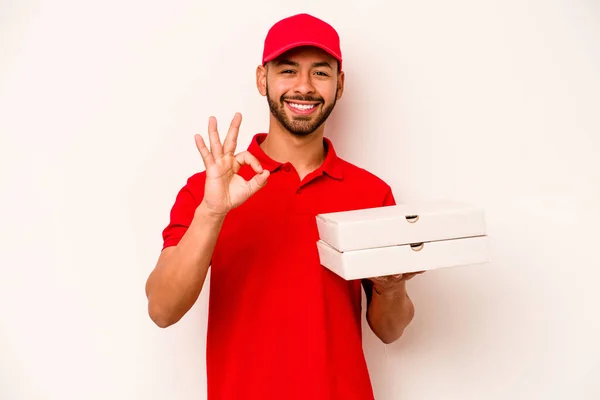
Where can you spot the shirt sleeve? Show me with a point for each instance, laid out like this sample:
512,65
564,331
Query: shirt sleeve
182,212
389,199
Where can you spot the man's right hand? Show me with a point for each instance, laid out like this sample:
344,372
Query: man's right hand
225,189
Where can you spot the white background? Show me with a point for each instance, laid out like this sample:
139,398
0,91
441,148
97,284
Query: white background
490,102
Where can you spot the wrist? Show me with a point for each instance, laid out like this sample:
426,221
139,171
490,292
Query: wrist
204,212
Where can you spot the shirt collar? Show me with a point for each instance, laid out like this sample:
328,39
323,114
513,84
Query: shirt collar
332,165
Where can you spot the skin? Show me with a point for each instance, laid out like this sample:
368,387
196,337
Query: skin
306,76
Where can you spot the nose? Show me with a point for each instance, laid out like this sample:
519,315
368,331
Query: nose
304,84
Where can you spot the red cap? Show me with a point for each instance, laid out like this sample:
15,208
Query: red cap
301,30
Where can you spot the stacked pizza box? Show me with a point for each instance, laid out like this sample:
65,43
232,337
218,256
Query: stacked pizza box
403,238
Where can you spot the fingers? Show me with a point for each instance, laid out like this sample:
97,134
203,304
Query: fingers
246,158
215,142
228,147
397,277
388,278
232,135
207,157
258,181
412,275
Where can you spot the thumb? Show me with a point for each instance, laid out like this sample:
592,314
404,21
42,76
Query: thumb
258,181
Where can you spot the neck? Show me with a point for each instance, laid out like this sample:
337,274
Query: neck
305,153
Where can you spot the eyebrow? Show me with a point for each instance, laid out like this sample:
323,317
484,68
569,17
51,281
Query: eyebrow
314,65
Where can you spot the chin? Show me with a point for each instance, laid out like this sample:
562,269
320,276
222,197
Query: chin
301,133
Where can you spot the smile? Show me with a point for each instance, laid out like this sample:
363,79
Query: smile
301,108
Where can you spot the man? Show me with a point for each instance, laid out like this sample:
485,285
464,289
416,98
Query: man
280,325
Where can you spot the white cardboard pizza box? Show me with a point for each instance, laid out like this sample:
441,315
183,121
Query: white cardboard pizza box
390,260
400,224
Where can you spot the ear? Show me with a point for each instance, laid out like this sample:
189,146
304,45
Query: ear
261,80
340,84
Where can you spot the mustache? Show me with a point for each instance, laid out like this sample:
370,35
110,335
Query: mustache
302,98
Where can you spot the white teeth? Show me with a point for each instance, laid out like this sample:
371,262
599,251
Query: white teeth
302,106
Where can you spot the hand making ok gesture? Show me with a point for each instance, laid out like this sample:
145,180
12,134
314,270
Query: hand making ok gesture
224,188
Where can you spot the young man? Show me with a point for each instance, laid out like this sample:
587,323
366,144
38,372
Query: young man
280,325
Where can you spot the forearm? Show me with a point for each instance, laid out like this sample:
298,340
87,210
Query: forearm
389,314
175,283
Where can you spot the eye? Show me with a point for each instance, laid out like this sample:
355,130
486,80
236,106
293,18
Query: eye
322,73
287,71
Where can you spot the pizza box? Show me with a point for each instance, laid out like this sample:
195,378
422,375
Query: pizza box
400,224
400,259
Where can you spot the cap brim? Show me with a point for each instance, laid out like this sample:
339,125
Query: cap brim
289,47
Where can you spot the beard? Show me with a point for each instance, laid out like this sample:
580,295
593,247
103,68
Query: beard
300,125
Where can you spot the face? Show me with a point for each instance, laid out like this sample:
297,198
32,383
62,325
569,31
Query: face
302,87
